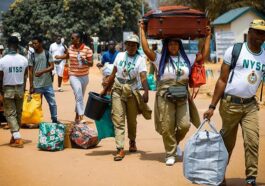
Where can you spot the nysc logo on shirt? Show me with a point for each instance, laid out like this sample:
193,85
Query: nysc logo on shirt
254,65
15,69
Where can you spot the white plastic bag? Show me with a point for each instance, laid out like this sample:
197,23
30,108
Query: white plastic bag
107,69
205,157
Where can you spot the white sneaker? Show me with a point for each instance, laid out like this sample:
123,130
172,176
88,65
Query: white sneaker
179,152
60,89
170,161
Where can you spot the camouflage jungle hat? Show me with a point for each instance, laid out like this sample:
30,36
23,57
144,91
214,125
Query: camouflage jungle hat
132,38
258,24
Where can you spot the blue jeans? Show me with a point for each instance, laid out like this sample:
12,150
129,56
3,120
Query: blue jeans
49,95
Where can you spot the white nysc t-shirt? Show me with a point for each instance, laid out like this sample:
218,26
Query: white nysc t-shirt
13,67
248,72
180,70
128,68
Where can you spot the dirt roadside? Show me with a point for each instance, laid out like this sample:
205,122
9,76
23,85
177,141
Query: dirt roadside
31,167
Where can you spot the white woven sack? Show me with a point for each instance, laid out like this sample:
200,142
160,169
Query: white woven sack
205,157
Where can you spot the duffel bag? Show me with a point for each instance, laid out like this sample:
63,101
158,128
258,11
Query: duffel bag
83,136
51,136
205,157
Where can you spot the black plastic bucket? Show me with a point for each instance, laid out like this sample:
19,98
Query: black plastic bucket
96,106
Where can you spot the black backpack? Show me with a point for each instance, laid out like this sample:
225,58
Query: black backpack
235,54
47,54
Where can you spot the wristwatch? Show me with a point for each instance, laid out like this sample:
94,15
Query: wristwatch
212,106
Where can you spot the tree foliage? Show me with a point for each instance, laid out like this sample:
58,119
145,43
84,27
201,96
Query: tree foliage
215,8
108,18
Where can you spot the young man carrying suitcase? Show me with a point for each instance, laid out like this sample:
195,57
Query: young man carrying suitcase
237,92
13,69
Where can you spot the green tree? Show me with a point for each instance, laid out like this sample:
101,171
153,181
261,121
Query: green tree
108,18
215,8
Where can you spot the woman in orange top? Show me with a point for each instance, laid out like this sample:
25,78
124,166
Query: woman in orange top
80,57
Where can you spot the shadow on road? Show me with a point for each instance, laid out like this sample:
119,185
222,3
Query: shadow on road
160,157
25,142
239,182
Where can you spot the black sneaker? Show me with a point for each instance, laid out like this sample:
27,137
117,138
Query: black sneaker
251,182
56,121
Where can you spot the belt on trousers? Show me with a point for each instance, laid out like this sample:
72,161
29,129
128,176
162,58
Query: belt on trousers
14,86
238,100
126,81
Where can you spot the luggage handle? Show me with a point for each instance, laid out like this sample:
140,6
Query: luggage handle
29,98
211,125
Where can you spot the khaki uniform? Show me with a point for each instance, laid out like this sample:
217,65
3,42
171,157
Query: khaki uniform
246,115
172,120
13,102
125,103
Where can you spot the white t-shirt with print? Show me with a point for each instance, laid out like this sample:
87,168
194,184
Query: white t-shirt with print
179,72
247,73
129,68
13,67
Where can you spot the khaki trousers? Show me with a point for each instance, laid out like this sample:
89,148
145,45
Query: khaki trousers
247,116
175,123
120,109
13,102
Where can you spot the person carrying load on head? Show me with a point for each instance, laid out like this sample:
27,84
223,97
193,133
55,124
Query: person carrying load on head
174,109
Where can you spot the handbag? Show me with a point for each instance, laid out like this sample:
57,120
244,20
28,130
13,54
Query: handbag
205,157
65,74
176,93
197,77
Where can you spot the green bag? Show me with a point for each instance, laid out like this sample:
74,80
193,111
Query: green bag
105,126
151,82
51,136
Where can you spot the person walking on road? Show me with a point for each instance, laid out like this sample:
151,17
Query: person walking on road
57,48
126,99
40,75
236,89
173,112
81,58
13,69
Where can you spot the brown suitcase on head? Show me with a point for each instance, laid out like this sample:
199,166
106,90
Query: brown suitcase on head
175,21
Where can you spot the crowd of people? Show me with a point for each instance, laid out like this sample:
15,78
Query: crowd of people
236,88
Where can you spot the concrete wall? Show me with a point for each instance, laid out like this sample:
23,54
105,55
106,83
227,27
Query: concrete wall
241,24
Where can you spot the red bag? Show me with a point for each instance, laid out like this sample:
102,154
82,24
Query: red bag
65,74
83,136
197,77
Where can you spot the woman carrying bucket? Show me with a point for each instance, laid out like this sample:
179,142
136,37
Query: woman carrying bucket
126,99
173,108
80,59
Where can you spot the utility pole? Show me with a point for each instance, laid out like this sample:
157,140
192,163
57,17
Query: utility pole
142,7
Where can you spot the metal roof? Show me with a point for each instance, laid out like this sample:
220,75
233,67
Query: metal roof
231,15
